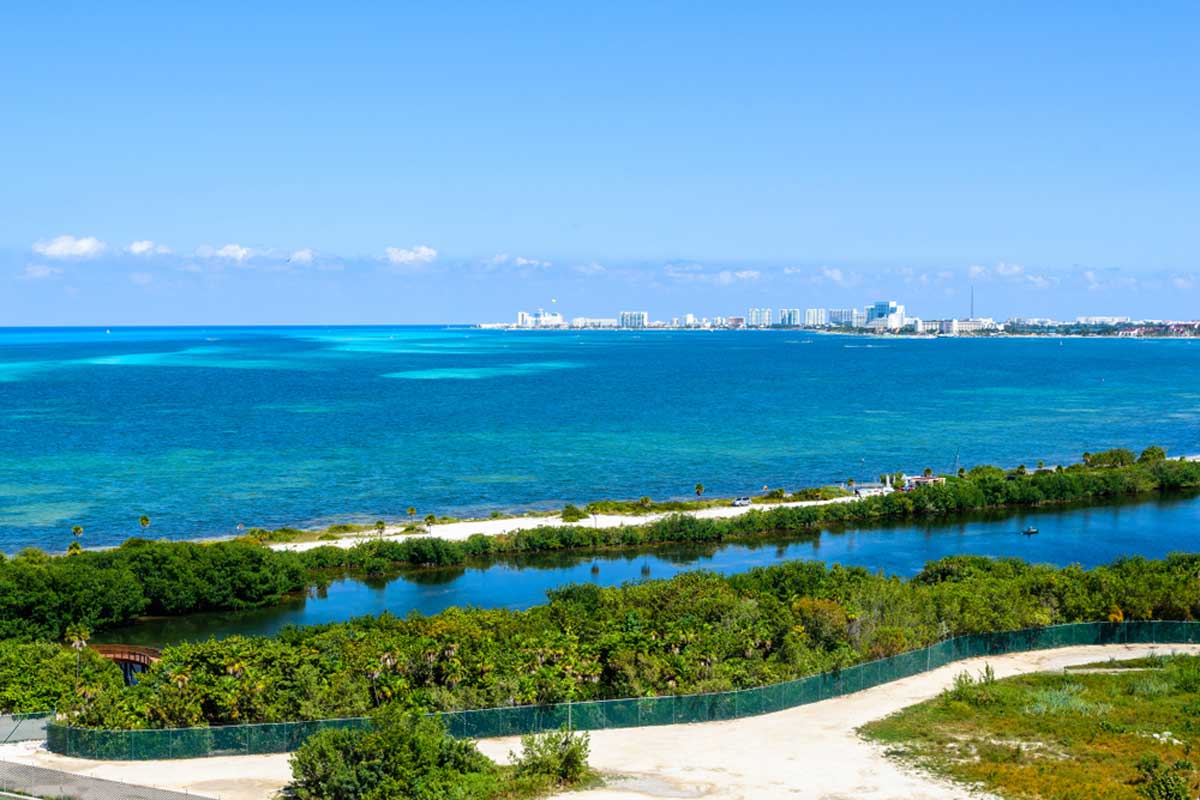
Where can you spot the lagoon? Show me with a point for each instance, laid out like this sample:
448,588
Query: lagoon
1087,536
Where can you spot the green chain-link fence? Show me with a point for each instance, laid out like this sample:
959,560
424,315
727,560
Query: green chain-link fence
599,714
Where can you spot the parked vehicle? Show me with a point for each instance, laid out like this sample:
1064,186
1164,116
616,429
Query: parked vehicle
741,501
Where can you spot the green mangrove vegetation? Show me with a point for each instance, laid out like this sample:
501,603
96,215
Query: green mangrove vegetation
42,676
1128,733
698,632
40,594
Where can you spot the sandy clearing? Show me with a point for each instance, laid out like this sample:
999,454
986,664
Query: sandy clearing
493,527
806,752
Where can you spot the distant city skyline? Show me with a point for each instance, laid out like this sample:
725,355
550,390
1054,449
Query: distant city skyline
250,164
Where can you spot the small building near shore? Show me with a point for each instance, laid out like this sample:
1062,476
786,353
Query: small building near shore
870,489
917,481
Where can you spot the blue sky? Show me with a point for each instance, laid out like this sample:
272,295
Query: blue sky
453,162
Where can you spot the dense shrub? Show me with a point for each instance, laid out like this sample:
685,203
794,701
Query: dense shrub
406,756
40,595
41,676
554,759
696,632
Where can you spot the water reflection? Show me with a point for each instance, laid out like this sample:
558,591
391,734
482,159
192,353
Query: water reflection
1088,536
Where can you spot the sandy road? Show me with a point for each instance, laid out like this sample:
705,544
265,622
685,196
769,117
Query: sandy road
807,752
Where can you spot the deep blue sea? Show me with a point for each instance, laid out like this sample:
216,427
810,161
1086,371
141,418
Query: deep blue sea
206,428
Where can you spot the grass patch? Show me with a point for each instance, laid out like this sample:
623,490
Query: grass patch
1127,733
1149,662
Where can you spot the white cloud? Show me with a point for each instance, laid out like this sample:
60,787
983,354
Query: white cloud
1183,282
504,259
1009,270
304,256
70,247
591,268
233,252
1110,279
145,247
40,272
141,278
694,273
1042,281
837,277
421,254
976,271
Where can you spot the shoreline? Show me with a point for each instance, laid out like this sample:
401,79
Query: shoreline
460,531
463,529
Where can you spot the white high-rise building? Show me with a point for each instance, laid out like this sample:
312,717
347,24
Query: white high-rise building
689,320
524,320
789,317
635,319
759,318
841,316
816,317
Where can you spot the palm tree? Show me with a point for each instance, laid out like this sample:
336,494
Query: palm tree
144,521
77,636
74,549
850,482
699,489
962,472
429,520
928,473
412,512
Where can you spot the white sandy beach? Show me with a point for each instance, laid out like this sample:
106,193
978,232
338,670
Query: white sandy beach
493,527
807,752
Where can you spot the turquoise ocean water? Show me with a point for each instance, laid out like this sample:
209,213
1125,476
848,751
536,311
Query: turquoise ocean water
203,429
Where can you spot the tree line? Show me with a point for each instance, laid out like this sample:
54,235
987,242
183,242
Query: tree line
697,632
40,595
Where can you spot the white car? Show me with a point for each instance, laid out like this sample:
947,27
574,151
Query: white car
741,501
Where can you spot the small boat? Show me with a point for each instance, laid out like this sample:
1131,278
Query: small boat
1030,531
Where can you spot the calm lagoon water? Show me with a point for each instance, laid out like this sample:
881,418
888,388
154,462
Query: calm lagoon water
204,429
1088,536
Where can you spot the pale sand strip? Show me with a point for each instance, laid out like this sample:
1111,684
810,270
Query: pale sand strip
806,752
455,531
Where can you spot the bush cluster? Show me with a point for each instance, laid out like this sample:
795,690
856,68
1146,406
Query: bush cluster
697,632
405,755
